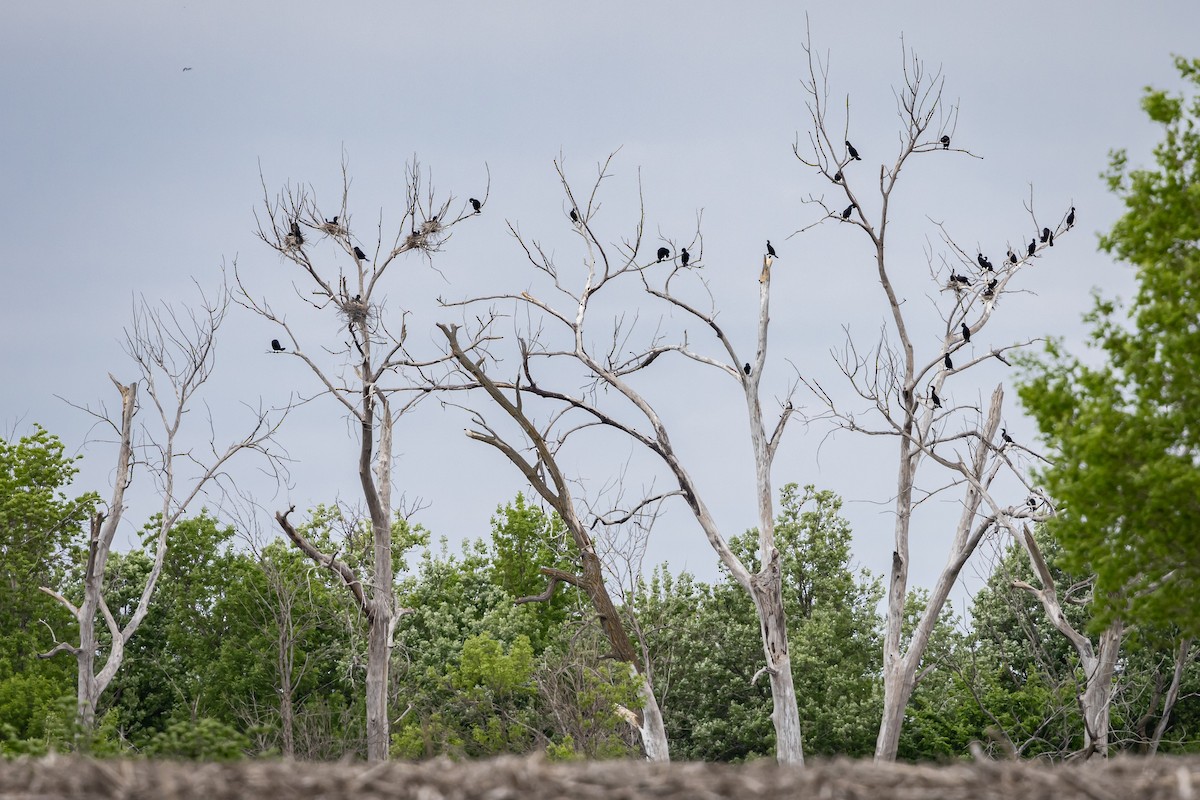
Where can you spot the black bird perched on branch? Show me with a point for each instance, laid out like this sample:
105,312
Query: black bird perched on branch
475,204
853,153
332,221
945,140
837,176
684,256
771,250
991,288
574,216
1052,238
746,368
1045,235
985,262
296,236
933,398
1032,246
963,279
276,346
966,332
663,253
359,254
1004,435
1071,218
849,208
946,360
1012,257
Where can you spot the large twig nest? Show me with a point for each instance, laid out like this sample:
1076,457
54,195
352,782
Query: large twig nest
355,311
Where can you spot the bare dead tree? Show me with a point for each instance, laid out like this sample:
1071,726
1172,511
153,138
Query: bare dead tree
175,351
547,478
371,375
906,394
558,332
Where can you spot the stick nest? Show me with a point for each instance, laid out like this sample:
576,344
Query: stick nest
355,311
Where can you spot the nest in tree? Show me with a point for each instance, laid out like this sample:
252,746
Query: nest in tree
354,311
293,241
332,229
430,226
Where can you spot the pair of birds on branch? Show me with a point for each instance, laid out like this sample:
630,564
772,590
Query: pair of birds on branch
684,256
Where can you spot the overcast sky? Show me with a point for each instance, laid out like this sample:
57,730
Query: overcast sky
126,175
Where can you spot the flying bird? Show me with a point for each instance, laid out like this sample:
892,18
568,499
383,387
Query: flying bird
684,256
849,208
187,69
574,216
771,250
359,254
946,360
933,398
663,253
853,153
276,346
475,204
1071,218
1032,246
966,332
746,368
945,140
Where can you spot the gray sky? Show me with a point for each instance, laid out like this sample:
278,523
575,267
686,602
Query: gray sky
125,175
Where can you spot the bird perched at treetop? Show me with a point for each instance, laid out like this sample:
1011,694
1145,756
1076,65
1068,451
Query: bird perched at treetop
771,250
663,253
853,153
475,204
359,254
276,346
684,256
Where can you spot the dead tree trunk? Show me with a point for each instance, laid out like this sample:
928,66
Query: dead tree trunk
1097,661
1182,657
556,491
609,373
909,397
372,353
179,354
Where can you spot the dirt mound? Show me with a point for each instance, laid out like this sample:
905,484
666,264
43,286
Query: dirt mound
536,779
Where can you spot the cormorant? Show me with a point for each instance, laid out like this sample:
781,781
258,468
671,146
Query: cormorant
1004,435
945,140
1052,238
771,250
853,153
574,216
663,253
949,364
837,176
296,235
475,204
746,368
983,262
1045,235
359,254
849,208
276,346
1071,218
684,256
332,221
1032,246
966,332
933,398
1032,503
1012,257
963,279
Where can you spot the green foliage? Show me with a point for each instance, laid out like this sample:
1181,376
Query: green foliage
1125,433
203,740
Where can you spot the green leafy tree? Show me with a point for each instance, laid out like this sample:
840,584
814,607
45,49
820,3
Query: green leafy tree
1124,431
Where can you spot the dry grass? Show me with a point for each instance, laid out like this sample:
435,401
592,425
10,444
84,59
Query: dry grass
535,779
